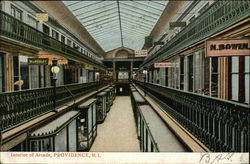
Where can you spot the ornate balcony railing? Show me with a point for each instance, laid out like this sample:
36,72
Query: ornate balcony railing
21,106
219,16
12,28
220,125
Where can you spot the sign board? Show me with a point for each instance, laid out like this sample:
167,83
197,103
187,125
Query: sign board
158,43
38,61
43,17
234,47
141,53
89,67
177,24
163,65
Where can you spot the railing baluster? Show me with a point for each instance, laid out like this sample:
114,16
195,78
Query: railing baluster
219,124
19,106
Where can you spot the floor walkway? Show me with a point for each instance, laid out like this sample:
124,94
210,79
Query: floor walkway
118,132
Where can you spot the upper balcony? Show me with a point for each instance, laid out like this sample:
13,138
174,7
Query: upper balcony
15,30
217,17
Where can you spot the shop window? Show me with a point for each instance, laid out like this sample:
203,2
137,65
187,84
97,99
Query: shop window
175,73
166,76
239,79
190,73
24,71
46,144
246,78
20,72
214,76
72,136
34,75
32,21
69,42
235,78
197,72
61,141
34,146
41,76
46,29
81,134
55,35
15,72
205,69
63,39
75,46
15,12
182,73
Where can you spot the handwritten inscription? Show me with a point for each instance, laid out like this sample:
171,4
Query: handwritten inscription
215,158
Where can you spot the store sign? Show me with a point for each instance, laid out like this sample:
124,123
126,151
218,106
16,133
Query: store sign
141,53
158,43
38,61
163,65
177,24
236,47
43,17
89,67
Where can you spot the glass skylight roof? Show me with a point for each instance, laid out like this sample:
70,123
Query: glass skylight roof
115,24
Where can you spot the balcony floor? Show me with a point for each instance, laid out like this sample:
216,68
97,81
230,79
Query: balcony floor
118,132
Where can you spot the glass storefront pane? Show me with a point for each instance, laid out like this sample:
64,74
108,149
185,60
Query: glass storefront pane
247,78
235,64
24,71
41,76
94,114
61,141
139,125
197,70
89,119
34,76
82,136
34,145
46,145
72,136
247,81
145,138
149,143
235,87
15,71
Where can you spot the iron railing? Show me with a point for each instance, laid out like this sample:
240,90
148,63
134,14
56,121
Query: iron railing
221,125
220,15
12,28
21,106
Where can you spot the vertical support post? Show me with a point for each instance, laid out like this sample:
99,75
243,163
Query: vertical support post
114,71
54,92
131,70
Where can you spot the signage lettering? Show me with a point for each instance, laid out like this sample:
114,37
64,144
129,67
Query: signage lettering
163,65
43,17
177,24
141,53
235,47
38,61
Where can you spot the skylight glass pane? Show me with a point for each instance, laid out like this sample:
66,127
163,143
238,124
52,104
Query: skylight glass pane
109,27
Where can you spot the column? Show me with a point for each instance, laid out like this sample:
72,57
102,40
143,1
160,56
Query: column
114,71
131,70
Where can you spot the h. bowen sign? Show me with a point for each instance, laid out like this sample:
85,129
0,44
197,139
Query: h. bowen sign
236,47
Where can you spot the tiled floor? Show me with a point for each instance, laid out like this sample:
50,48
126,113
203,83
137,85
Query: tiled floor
118,132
